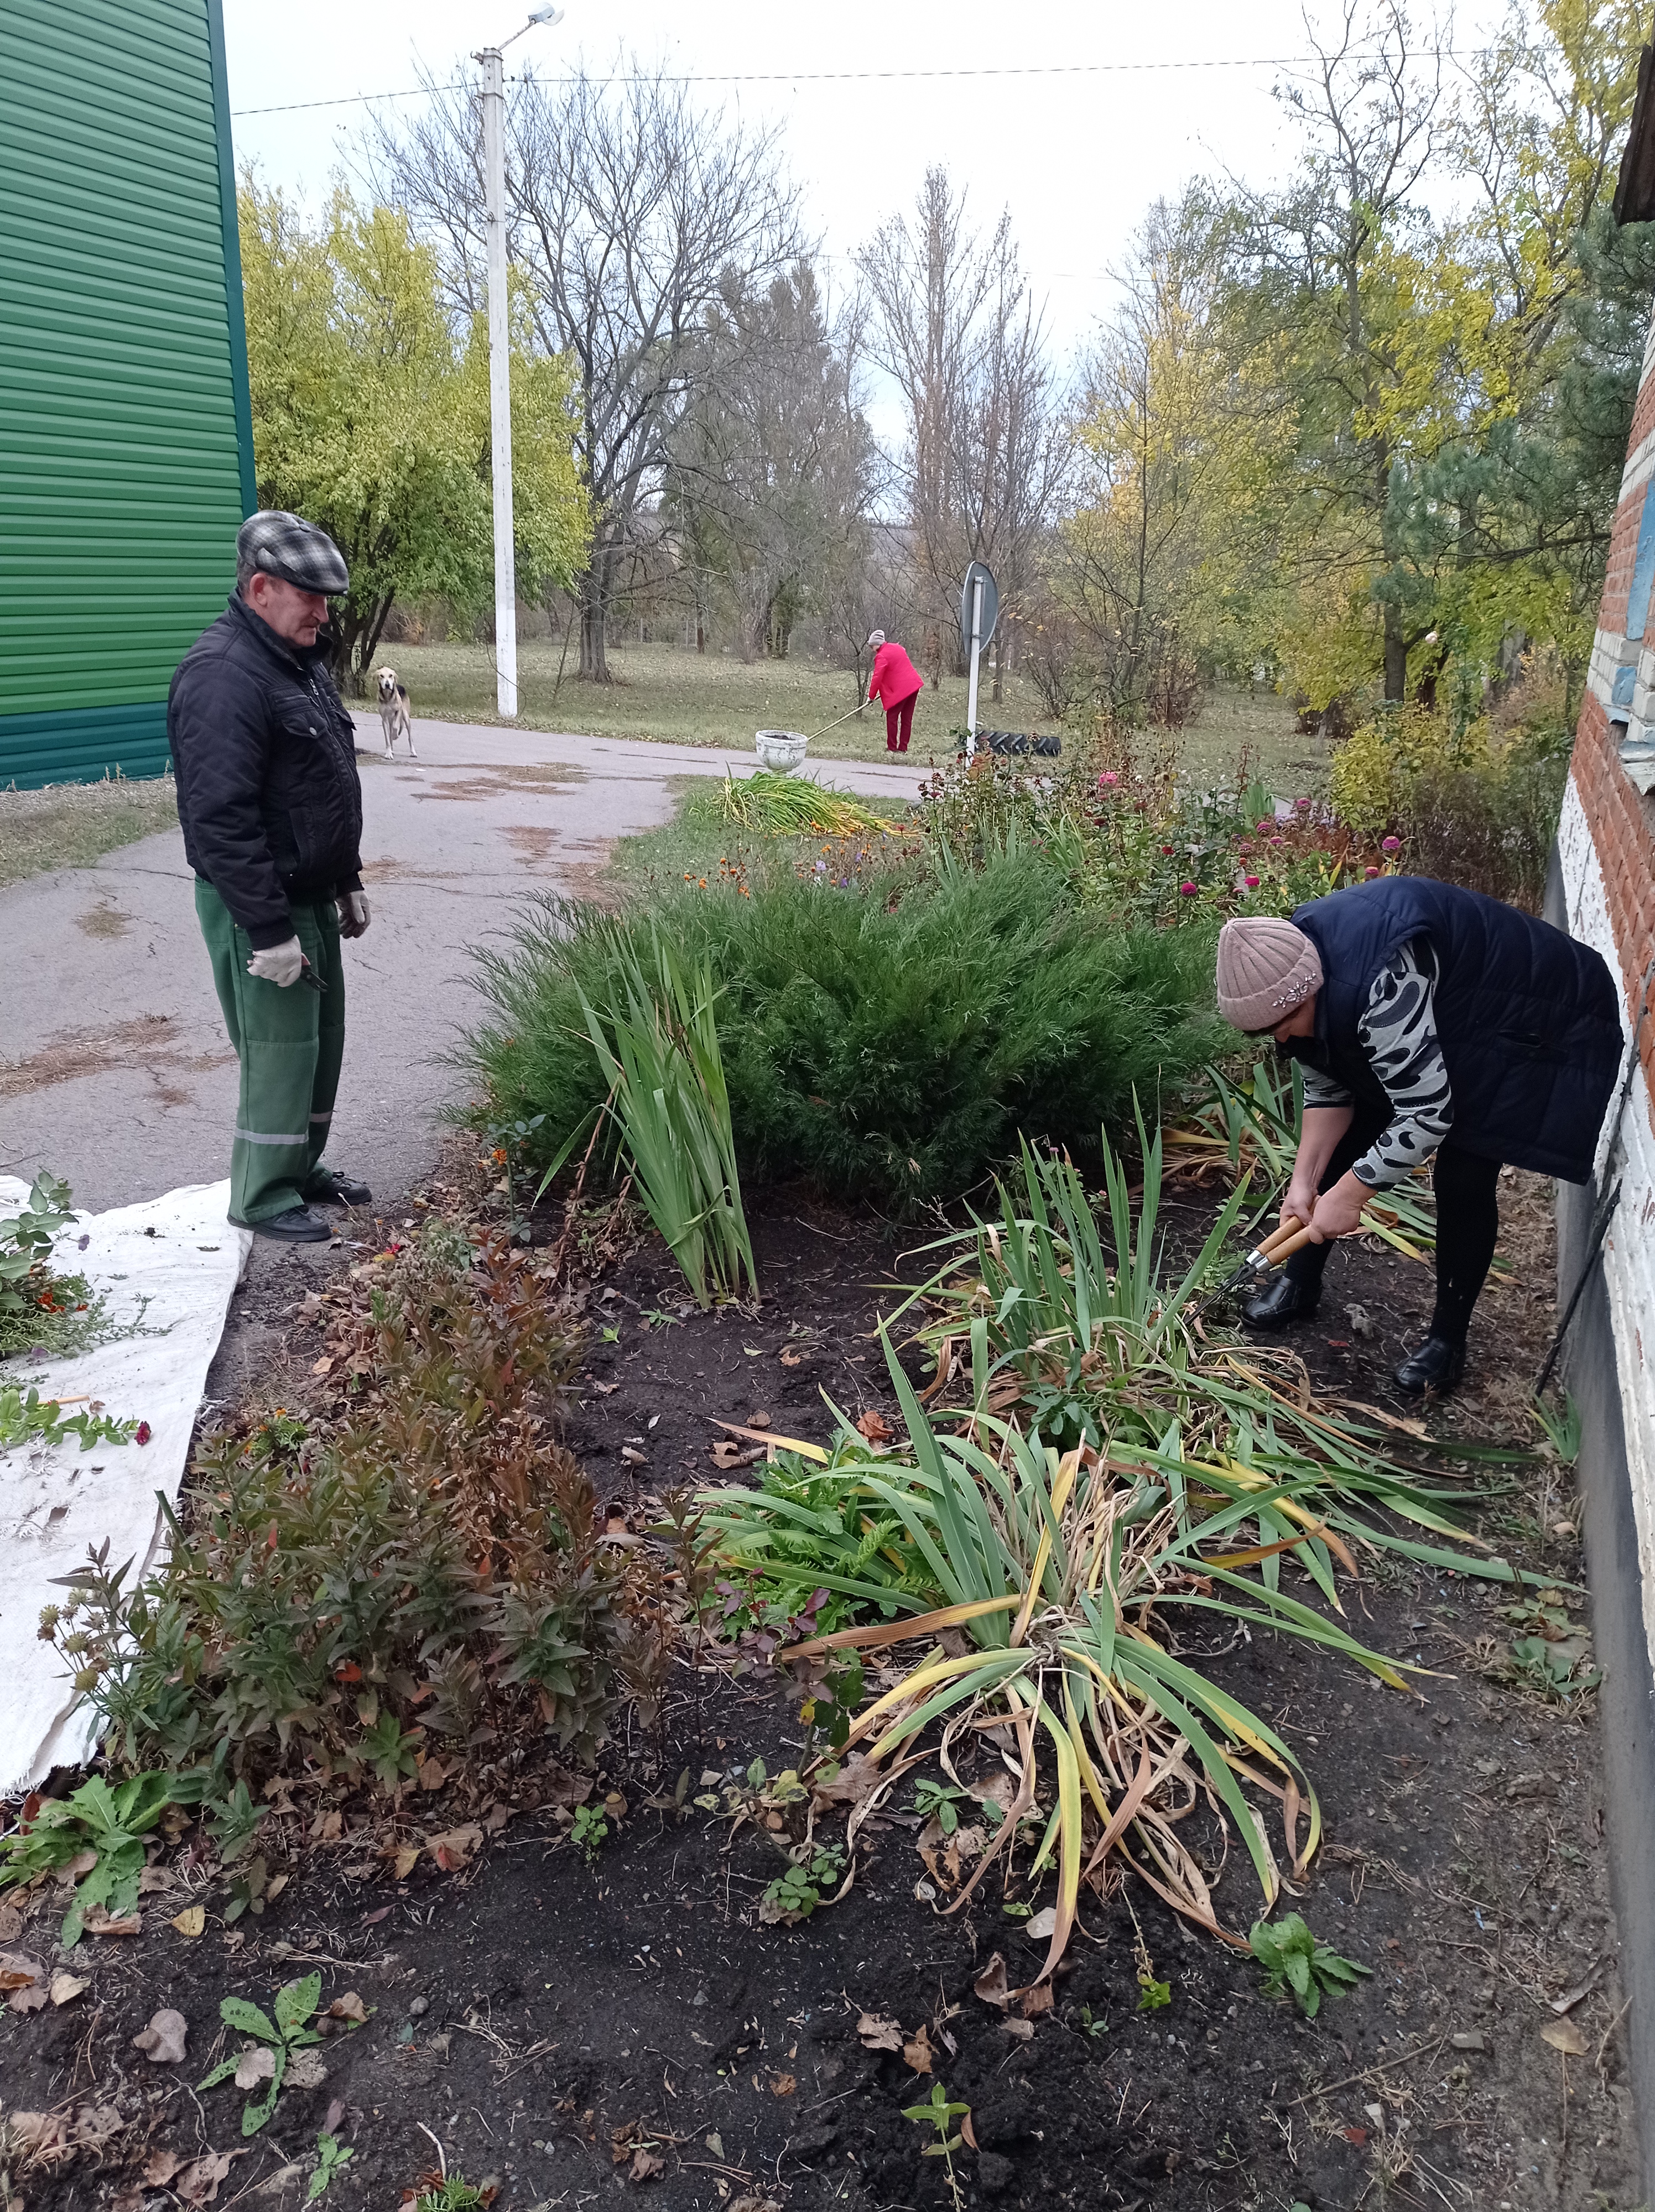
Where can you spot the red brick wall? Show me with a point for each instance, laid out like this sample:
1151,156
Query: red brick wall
1621,829
1643,415
1623,549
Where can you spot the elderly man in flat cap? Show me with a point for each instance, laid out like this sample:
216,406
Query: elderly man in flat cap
271,809
1427,1020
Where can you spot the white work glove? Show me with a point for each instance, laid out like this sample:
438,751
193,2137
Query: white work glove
353,912
280,964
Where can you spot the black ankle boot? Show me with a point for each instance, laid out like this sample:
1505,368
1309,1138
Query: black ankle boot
1436,1365
1285,1302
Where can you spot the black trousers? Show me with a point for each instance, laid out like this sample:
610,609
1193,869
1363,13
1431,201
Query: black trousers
1468,1222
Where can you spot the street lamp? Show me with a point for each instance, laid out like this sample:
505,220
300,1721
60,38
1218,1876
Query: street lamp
494,168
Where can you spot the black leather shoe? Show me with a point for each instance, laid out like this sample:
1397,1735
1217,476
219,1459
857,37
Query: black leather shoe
1284,1302
1436,1365
325,1188
298,1225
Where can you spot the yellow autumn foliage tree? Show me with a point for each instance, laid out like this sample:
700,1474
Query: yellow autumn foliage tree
370,416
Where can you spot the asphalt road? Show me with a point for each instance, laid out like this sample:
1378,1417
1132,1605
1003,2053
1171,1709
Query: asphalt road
114,1068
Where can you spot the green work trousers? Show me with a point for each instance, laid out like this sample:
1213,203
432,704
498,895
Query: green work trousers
290,1043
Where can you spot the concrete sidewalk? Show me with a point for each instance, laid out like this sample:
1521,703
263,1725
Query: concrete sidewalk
114,1068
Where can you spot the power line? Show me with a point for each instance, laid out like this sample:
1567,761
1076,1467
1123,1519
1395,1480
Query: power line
827,76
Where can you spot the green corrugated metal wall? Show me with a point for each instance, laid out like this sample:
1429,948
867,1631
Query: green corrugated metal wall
125,437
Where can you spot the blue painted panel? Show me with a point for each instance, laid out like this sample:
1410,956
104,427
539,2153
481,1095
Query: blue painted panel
1643,570
83,744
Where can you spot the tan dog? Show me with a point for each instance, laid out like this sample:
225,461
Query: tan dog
394,715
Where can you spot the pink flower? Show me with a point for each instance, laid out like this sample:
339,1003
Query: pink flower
1370,873
1108,779
1276,843
1188,889
1252,883
1244,846
1303,805
1269,821
1391,845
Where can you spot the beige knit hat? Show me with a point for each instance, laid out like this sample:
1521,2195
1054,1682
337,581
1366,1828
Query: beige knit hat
1265,969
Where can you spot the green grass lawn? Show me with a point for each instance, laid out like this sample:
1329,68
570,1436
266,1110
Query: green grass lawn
70,825
683,698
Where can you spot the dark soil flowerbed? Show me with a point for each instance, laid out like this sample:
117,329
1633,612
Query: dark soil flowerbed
575,2032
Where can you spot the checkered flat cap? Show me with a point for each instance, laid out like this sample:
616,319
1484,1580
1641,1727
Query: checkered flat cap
287,546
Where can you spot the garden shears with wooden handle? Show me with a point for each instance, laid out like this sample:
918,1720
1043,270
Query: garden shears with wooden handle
1270,1252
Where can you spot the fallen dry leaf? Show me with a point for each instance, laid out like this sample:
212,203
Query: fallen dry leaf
190,1921
407,1859
1021,2029
968,2133
347,2006
160,2168
879,2034
646,2164
99,1922
327,1827
153,1879
1039,1929
95,2125
916,2051
783,2085
1036,2000
856,1779
874,1428
990,1983
305,2071
453,1847
162,2041
18,1969
791,1358
11,1924
198,2183
497,1817
65,1988
29,2000
72,1869
254,2066
1563,2035
728,1455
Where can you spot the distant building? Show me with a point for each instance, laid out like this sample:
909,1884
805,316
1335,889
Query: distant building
125,430
1603,890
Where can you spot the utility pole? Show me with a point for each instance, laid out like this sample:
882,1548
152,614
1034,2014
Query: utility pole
493,59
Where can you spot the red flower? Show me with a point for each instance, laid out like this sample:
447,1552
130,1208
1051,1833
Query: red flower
1252,883
1370,873
144,1433
1188,889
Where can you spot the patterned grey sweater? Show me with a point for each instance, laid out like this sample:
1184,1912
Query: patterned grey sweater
1398,1033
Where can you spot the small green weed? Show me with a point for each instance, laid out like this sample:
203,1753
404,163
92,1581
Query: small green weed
112,1823
1152,1995
938,2113
1562,1430
939,1801
331,2158
1294,1960
39,1308
796,1893
1092,2025
590,1832
296,2001
452,2193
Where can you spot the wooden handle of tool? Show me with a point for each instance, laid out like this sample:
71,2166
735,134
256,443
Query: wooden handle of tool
1267,1247
1280,1251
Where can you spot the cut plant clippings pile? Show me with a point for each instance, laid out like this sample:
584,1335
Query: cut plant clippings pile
779,805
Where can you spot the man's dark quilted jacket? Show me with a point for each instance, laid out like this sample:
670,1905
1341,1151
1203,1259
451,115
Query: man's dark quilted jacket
265,758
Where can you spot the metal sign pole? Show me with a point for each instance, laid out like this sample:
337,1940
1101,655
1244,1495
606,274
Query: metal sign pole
976,648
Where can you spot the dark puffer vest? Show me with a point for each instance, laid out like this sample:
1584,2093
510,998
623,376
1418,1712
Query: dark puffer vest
1529,1020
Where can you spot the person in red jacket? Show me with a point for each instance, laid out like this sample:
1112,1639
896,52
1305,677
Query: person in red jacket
896,682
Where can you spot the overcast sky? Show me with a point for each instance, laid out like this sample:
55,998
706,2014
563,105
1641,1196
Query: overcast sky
1078,157
1076,122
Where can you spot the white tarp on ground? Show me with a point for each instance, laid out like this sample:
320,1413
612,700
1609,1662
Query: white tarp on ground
181,1254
